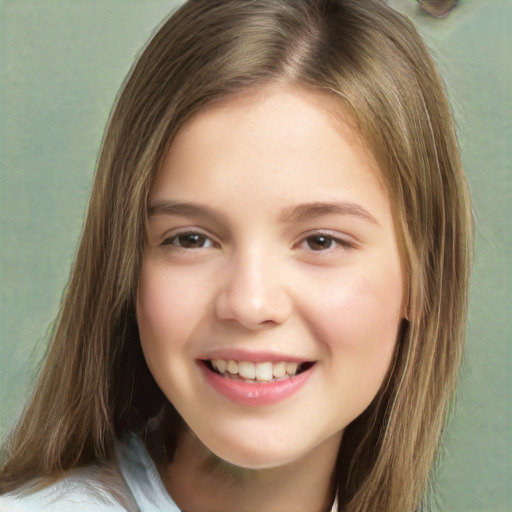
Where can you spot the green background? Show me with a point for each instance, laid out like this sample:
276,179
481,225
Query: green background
62,62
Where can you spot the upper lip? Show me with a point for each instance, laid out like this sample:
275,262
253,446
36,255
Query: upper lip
253,356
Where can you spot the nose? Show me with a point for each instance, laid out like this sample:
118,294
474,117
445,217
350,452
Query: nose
254,292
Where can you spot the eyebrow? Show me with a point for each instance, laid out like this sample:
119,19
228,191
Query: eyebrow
297,213
307,211
179,208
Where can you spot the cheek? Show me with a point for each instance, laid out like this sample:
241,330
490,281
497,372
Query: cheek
168,306
358,318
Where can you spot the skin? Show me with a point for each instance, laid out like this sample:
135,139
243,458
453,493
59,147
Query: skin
265,275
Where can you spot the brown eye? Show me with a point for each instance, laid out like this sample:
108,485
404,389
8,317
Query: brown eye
320,242
325,242
190,241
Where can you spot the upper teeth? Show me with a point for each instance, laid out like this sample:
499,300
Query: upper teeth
265,371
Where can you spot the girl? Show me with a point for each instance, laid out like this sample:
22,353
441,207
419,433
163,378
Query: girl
267,307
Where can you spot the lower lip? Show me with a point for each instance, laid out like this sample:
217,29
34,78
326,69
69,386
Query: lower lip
256,393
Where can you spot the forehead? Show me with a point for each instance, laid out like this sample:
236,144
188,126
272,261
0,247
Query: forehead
281,133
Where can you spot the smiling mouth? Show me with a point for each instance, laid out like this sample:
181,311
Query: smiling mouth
260,372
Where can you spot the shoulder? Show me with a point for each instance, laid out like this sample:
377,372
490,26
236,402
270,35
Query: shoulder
130,483
92,488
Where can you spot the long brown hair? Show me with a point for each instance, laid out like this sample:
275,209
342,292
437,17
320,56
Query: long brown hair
95,385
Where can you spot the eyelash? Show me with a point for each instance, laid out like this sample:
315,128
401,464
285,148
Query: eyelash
320,237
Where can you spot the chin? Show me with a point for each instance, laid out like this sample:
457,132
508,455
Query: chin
265,452
257,459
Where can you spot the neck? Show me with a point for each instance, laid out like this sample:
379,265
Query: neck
199,481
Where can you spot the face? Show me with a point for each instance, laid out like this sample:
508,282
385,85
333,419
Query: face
271,288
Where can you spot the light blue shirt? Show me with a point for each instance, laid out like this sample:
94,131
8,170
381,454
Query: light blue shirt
133,485
129,484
